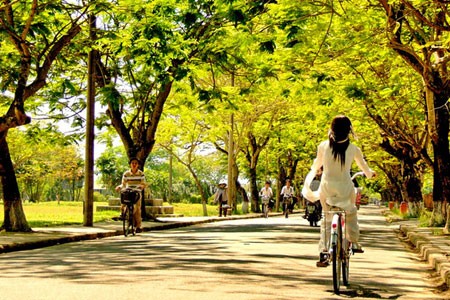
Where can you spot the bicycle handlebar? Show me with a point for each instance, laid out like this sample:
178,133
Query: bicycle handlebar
358,174
131,188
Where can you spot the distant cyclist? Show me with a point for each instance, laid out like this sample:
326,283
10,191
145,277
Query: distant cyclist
266,194
287,194
336,155
134,178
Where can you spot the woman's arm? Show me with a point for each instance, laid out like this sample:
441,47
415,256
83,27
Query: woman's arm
317,164
362,164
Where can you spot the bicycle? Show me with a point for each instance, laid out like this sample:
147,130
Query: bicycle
129,197
286,205
265,205
339,248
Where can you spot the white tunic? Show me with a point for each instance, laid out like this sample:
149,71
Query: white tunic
336,186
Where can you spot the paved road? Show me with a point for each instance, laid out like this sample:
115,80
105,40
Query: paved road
242,259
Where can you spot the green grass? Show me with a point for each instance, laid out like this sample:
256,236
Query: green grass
194,210
46,214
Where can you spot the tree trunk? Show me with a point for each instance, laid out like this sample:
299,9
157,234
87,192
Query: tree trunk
413,187
200,190
441,184
14,217
280,182
243,193
254,191
252,156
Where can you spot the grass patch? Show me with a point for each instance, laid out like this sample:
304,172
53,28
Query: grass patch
438,231
196,209
44,214
193,209
427,219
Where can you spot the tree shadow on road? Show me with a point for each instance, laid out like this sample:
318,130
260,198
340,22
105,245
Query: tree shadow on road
242,253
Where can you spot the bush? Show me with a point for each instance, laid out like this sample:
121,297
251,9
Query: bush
195,199
98,197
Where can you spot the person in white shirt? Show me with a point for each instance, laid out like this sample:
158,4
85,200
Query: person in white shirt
336,188
287,192
266,194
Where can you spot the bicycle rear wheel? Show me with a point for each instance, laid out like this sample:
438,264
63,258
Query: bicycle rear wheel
337,258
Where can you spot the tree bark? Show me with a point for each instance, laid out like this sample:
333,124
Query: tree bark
255,207
200,189
252,153
14,218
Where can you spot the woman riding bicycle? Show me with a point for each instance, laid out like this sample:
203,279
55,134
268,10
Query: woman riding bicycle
336,156
266,195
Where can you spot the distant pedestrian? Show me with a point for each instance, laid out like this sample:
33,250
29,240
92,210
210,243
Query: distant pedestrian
221,198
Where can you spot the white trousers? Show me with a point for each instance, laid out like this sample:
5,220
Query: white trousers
351,224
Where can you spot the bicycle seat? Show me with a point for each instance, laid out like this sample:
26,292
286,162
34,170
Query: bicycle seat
335,209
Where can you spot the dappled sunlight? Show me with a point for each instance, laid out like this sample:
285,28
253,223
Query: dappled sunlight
277,251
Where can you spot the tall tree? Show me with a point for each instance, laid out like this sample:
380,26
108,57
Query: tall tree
149,45
182,134
33,35
418,32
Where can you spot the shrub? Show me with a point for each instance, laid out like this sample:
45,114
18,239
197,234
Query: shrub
98,197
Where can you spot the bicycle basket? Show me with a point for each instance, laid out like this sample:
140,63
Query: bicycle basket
129,196
311,208
265,199
287,199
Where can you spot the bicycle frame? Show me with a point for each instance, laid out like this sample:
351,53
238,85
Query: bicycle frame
337,216
265,205
339,248
287,200
128,211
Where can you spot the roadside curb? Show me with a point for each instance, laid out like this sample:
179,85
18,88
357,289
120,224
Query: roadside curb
52,238
52,241
432,248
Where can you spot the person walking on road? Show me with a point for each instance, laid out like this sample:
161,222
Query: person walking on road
221,198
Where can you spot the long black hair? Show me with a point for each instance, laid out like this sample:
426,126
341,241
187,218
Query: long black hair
341,127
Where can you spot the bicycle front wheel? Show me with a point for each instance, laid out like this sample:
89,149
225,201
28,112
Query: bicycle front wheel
128,221
286,209
346,264
265,211
337,259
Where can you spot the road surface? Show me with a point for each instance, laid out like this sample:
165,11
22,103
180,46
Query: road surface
242,259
